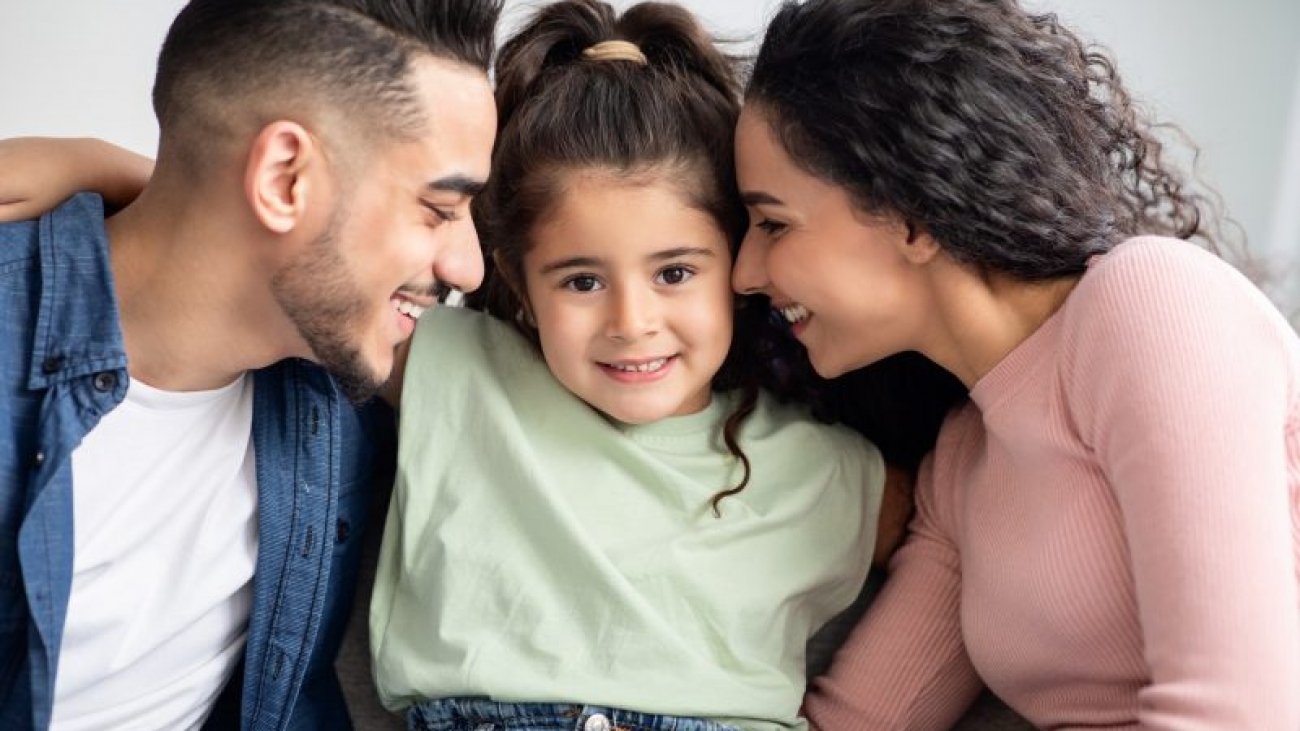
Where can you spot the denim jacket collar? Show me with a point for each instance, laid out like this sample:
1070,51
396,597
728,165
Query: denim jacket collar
78,329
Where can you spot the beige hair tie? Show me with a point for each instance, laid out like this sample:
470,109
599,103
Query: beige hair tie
615,51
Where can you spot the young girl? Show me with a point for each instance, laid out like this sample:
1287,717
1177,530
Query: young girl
603,516
600,520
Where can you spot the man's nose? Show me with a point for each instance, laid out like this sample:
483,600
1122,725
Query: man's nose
460,264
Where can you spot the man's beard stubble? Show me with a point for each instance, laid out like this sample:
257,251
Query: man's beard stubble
325,305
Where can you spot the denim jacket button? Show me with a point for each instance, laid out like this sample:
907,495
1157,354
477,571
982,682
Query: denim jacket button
53,364
105,381
597,722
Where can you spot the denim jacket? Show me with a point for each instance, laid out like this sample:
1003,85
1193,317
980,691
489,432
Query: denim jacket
62,367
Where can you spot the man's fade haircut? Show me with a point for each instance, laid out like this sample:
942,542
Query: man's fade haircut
227,64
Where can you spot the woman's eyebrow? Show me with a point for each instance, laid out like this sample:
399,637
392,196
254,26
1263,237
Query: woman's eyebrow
759,198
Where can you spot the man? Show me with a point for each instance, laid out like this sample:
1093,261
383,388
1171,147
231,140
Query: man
183,474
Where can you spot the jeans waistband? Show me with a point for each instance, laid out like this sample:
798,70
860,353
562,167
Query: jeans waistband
481,714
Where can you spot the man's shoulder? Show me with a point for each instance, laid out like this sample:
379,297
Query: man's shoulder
19,242
76,222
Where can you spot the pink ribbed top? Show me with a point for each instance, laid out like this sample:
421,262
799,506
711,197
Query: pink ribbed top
1106,534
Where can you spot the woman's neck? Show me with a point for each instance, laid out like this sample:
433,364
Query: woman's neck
983,317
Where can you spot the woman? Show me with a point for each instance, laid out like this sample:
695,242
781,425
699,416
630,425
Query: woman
1105,533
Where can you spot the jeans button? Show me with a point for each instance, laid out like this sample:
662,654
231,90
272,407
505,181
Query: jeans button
596,722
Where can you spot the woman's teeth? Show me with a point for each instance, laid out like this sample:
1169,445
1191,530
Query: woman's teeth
794,314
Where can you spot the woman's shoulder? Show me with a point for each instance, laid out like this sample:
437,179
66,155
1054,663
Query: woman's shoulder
1143,266
1156,282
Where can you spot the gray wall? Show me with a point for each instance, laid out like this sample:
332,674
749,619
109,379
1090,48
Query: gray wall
1228,73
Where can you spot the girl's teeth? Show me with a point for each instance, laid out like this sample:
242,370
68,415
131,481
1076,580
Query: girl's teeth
409,309
646,367
794,313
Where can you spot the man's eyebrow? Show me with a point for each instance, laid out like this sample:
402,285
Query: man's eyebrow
759,198
462,184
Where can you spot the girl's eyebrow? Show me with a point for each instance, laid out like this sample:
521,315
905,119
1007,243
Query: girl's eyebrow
573,262
682,251
592,262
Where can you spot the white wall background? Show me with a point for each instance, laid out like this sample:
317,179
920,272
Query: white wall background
1228,73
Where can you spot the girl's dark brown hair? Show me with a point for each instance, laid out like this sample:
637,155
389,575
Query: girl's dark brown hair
670,119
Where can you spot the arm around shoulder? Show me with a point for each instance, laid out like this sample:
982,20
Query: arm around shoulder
41,172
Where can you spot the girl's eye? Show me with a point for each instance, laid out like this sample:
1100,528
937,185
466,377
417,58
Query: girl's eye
769,227
581,283
674,275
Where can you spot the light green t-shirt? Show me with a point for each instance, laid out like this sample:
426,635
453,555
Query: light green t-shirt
537,551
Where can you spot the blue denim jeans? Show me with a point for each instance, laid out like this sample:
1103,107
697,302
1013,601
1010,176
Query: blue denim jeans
481,714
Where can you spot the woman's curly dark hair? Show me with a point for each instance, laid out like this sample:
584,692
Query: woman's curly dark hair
999,132
671,119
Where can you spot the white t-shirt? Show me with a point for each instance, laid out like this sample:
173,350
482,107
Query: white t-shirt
165,508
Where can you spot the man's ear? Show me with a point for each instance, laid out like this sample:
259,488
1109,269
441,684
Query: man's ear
278,177
916,244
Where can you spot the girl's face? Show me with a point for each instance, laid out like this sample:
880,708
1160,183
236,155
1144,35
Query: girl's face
846,282
630,289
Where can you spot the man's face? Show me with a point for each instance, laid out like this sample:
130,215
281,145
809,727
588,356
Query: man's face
403,230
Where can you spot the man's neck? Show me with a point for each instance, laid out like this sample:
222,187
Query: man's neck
195,302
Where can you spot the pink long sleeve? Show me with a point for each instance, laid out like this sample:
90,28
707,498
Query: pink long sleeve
1118,514
904,666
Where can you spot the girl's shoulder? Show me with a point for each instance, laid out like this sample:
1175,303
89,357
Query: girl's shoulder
456,350
456,335
791,424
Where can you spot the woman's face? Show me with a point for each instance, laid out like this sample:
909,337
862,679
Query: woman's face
849,284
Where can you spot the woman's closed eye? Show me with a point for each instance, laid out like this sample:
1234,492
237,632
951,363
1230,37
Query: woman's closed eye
769,226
